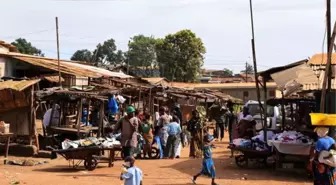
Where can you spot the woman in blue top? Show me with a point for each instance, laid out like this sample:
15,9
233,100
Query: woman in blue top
323,174
208,166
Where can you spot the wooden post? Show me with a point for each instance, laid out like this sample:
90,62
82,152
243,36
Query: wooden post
330,48
329,43
79,116
292,112
58,55
139,99
265,110
101,120
283,109
31,115
88,111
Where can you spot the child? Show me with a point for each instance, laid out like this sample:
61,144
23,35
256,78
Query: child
130,173
208,166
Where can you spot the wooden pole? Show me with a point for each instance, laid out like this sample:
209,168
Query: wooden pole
330,44
328,65
58,55
79,116
101,120
88,111
282,109
256,72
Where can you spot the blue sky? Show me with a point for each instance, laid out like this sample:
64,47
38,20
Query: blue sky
286,30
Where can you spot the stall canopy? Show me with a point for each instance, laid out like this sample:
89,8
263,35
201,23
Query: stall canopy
17,85
293,79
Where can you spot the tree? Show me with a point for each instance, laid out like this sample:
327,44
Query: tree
141,54
104,54
180,56
82,55
248,69
26,47
227,72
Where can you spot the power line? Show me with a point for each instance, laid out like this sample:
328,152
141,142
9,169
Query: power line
30,33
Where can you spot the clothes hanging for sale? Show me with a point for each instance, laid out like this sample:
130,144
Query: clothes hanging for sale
113,106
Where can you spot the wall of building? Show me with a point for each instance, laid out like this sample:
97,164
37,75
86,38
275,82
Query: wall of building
250,93
2,67
18,124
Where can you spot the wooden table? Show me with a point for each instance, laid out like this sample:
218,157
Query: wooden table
63,130
7,136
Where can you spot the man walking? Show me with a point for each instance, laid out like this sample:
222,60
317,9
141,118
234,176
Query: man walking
129,128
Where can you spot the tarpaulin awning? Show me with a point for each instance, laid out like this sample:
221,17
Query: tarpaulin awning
294,78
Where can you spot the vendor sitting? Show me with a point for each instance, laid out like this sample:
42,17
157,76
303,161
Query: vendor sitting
246,125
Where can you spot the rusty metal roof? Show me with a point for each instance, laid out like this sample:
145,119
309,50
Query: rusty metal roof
17,85
321,59
154,80
75,68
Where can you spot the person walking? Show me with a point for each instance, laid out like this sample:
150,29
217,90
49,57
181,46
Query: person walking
174,131
208,166
131,174
194,127
147,133
129,128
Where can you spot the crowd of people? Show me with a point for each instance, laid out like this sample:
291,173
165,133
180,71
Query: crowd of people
165,130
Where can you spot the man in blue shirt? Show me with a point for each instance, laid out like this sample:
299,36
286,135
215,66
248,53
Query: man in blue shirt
174,131
131,174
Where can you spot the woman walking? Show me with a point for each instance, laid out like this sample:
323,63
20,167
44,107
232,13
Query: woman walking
194,127
147,132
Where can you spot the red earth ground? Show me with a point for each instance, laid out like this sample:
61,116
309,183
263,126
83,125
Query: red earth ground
156,172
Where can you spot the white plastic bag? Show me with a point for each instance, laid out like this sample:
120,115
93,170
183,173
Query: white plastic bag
329,161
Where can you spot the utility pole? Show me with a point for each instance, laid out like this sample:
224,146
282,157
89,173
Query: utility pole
58,55
329,45
263,115
128,59
246,72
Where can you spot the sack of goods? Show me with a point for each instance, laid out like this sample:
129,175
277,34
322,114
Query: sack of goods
4,127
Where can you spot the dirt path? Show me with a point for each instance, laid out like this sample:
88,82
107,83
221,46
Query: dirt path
156,172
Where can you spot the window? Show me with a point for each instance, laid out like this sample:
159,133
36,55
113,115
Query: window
271,93
245,93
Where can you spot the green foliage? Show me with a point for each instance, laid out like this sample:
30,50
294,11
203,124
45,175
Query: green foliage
26,47
180,56
82,55
227,72
141,54
104,54
249,69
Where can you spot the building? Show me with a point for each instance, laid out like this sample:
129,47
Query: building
17,65
244,91
318,63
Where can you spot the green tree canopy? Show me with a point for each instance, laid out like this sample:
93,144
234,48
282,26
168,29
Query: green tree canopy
249,69
180,56
142,54
26,47
227,72
104,54
82,55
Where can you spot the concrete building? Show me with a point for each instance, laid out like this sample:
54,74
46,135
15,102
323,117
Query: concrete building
244,91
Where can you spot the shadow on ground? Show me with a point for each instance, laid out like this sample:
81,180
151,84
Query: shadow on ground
227,169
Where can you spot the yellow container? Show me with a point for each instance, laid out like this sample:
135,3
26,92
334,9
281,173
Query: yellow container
320,119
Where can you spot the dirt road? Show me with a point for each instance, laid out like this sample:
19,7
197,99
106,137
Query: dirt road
156,172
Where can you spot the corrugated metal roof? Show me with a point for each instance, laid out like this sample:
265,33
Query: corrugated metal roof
66,66
321,59
17,85
154,80
301,74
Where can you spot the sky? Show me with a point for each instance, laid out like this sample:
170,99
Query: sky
285,30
